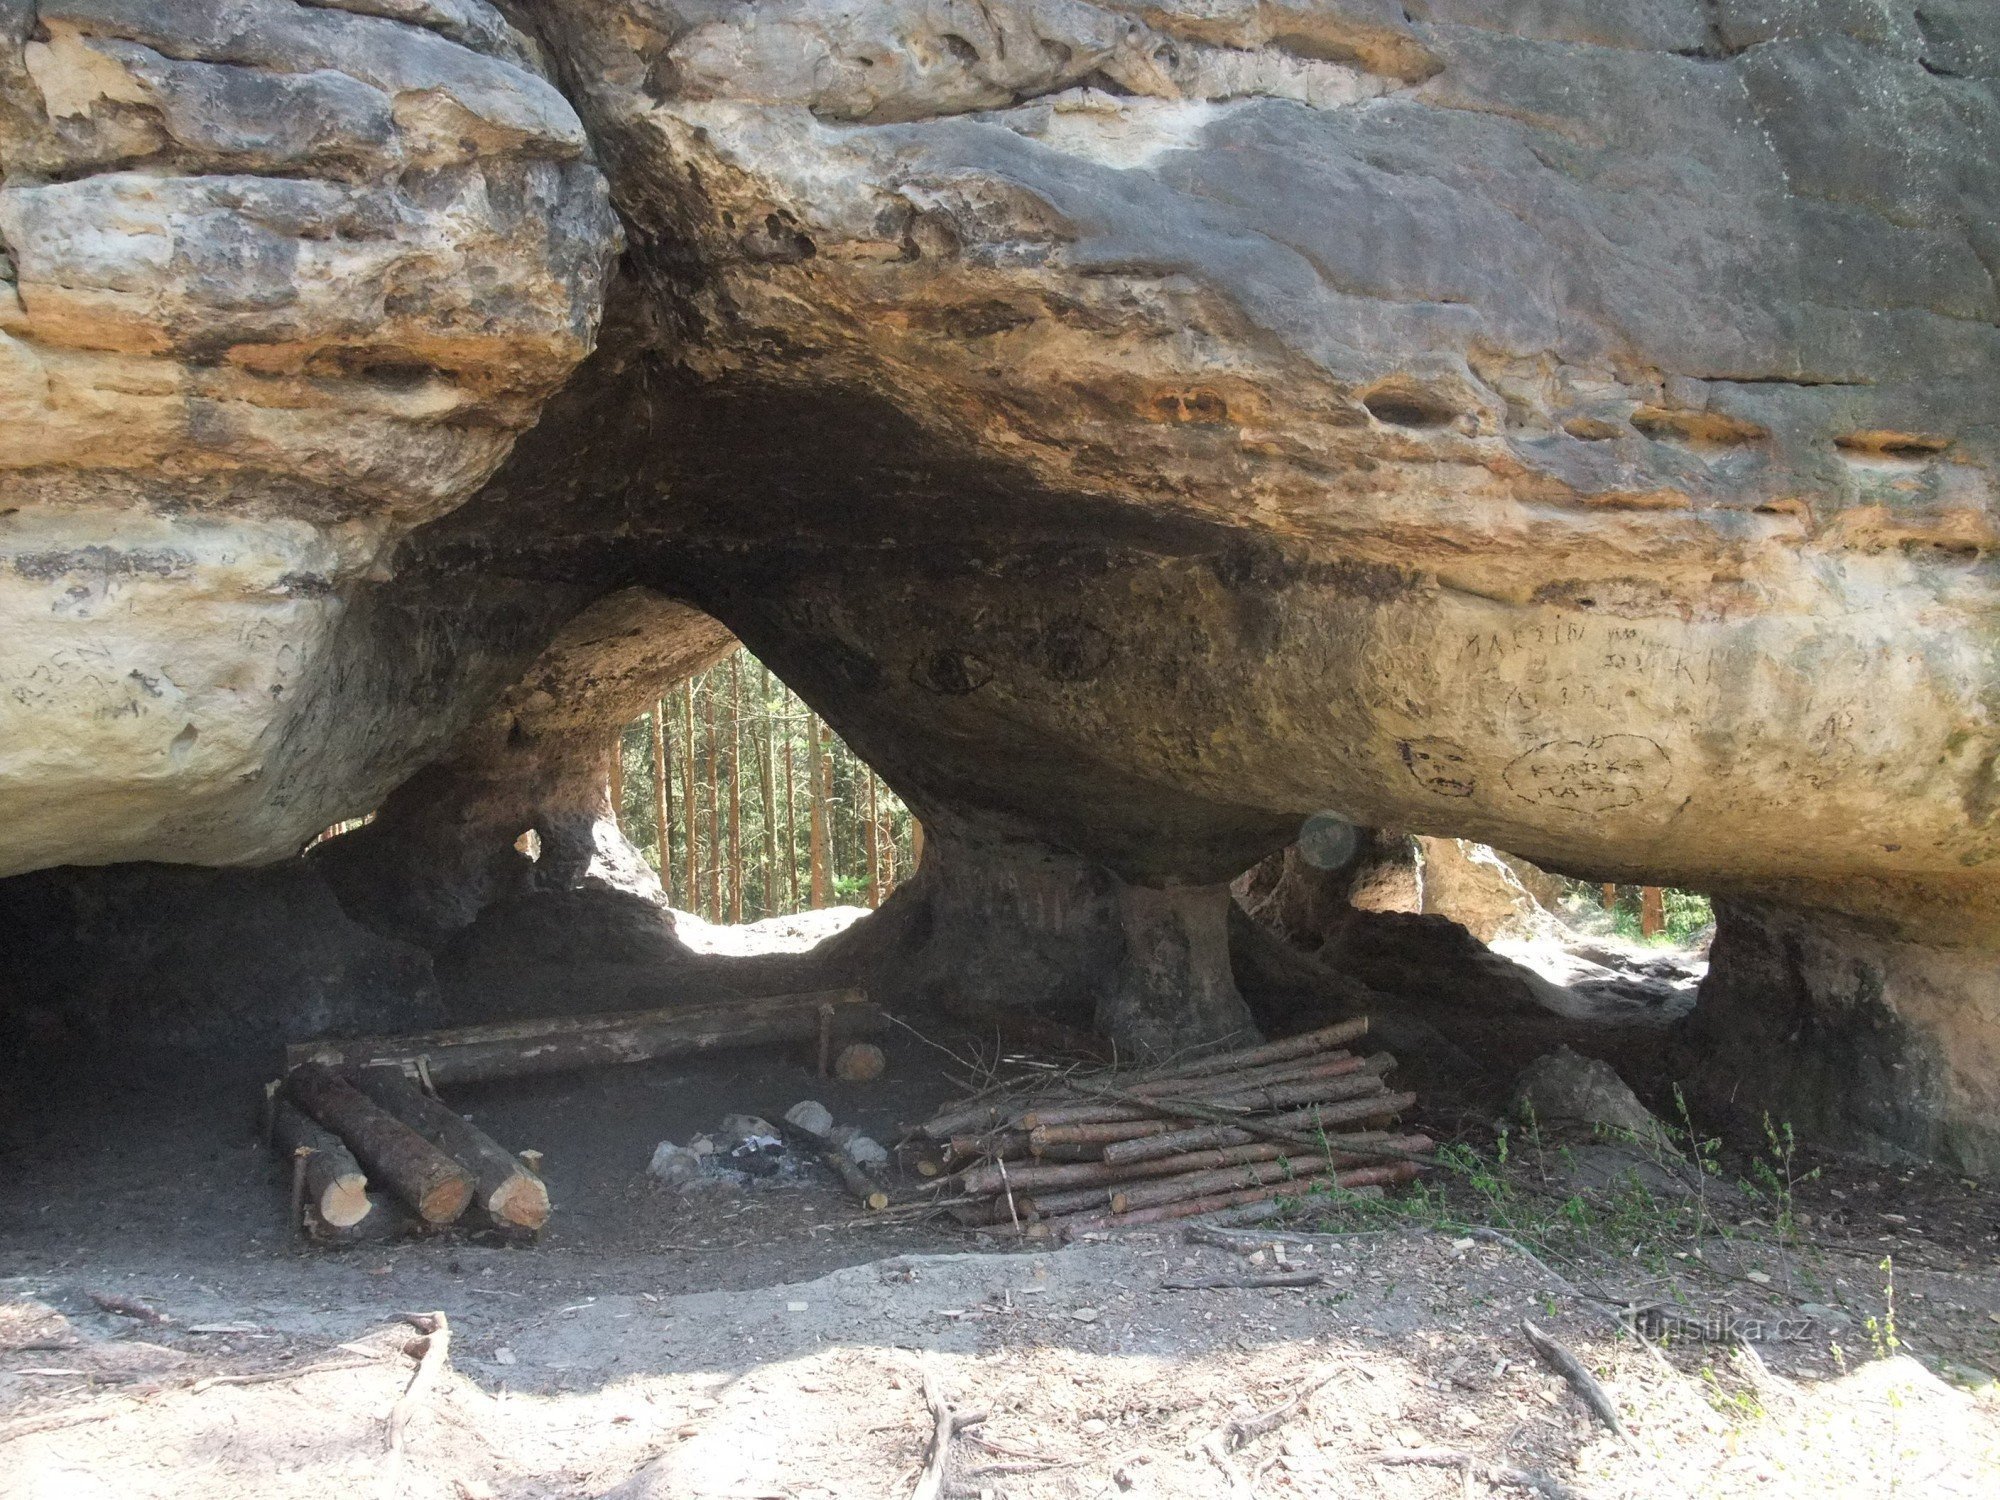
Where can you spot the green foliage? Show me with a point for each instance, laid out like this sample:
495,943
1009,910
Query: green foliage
1686,912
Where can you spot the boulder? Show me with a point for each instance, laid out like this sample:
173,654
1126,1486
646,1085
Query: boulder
1565,1086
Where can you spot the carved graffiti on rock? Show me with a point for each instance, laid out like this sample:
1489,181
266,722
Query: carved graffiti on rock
1591,776
1440,766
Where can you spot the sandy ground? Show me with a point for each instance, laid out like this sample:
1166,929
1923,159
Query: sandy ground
774,1343
1097,1381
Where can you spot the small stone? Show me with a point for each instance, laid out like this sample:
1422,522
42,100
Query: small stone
1084,1314
1759,1277
859,1062
1095,1428
676,1166
810,1115
795,1306
866,1152
503,1356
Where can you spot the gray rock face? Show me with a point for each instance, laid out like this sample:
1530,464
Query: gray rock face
278,282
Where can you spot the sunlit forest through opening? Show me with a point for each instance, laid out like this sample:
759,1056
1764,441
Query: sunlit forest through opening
750,806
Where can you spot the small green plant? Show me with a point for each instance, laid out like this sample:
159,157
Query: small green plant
1882,1330
1740,1405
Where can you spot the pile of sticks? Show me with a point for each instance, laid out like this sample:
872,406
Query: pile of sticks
350,1132
1228,1131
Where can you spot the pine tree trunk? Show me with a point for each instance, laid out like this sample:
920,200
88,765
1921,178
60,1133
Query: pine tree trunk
617,778
889,856
1652,911
916,844
816,770
768,804
663,799
791,815
736,788
691,887
874,846
714,912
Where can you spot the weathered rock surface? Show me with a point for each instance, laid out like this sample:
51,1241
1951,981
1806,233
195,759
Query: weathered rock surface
1889,1047
1137,426
1546,412
1564,1085
278,282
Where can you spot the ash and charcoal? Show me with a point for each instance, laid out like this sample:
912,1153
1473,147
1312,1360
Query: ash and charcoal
748,1151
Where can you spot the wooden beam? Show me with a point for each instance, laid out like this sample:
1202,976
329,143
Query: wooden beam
559,1044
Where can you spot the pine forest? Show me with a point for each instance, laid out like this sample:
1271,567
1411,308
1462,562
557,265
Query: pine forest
750,806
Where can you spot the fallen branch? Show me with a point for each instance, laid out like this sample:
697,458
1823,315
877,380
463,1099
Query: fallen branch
129,1307
1246,1241
945,1425
436,1328
57,1420
1501,1476
266,1377
1216,1446
1603,1304
1249,1280
1580,1380
1242,1429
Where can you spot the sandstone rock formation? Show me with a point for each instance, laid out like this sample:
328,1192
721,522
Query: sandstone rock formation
1136,426
278,282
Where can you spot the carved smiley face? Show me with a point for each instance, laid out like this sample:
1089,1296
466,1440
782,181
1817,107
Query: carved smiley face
1440,766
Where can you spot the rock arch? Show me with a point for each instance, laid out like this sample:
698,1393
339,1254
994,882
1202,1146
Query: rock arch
1134,429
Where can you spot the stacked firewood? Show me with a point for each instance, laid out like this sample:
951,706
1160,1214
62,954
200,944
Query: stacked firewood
1225,1132
351,1133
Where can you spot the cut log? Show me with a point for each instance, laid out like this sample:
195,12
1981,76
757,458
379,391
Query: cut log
1345,1149
1054,1203
1359,1177
1208,1086
998,1145
866,1190
1355,1078
437,1187
1325,1039
1303,1125
1041,1139
1228,1178
558,1044
504,1189
336,1188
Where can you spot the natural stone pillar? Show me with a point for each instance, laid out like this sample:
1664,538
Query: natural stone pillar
1859,1041
443,847
1172,986
987,928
